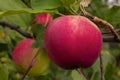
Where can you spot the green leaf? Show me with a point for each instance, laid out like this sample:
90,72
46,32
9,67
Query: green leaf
18,13
3,73
67,2
11,4
98,5
23,10
38,31
6,6
45,4
76,76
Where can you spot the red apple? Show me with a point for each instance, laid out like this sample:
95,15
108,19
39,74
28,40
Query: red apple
43,18
23,54
73,42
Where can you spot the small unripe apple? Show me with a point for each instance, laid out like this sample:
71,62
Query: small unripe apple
43,18
73,42
23,54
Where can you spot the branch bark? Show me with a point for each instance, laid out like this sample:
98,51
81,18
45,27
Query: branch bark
108,32
16,28
110,39
25,34
102,23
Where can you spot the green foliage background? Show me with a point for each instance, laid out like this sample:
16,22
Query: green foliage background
23,12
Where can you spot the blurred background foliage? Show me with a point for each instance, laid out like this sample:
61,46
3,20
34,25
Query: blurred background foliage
23,12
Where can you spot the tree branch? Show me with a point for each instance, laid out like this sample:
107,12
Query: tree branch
102,23
25,34
16,28
110,39
108,32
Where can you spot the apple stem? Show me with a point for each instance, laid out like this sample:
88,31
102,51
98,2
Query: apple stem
47,20
31,63
101,68
81,72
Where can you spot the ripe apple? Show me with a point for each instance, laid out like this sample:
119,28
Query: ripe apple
43,18
73,41
23,54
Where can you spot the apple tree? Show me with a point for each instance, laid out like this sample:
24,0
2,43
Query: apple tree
59,40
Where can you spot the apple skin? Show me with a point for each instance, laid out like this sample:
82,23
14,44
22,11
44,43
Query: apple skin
43,18
23,54
73,42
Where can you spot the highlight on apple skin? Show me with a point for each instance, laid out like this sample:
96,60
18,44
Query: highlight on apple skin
23,54
73,42
43,18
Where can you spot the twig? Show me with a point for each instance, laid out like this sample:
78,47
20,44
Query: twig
16,28
117,30
102,23
101,68
82,73
31,63
110,39
25,34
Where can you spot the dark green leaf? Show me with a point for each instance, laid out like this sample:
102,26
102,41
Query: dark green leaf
97,76
38,31
98,7
110,68
43,78
113,16
3,47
